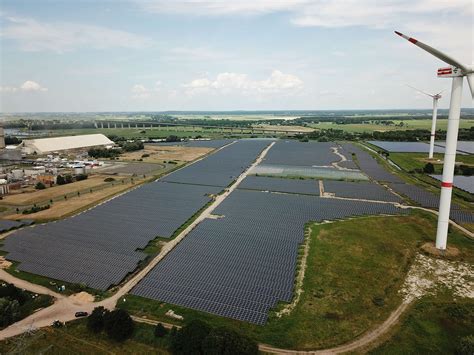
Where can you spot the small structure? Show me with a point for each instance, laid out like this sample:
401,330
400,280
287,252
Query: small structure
4,189
57,144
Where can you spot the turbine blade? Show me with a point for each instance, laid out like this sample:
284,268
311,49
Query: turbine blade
421,91
438,54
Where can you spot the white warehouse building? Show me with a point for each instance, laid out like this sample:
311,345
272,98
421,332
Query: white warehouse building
59,144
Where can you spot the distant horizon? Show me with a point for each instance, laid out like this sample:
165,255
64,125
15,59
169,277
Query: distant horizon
237,111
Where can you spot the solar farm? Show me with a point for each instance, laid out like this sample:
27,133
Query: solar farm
241,260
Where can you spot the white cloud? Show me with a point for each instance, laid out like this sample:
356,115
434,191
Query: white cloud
35,36
32,86
29,86
278,82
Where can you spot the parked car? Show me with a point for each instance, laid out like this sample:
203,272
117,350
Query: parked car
81,314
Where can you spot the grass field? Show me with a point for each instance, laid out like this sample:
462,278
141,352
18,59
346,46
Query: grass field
40,196
434,325
76,203
350,264
156,132
411,161
407,124
75,338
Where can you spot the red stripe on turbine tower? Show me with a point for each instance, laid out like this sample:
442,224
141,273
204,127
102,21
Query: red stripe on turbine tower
446,184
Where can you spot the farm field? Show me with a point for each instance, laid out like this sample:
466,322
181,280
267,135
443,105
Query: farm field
158,154
407,124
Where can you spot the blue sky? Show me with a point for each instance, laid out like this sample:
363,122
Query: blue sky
155,55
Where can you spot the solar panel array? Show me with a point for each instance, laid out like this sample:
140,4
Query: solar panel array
370,166
241,265
293,152
363,190
462,147
222,167
406,147
349,163
297,186
6,225
98,247
465,183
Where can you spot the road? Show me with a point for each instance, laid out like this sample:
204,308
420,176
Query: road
64,307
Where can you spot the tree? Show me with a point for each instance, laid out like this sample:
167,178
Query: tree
118,325
9,311
39,186
429,168
223,340
60,180
189,338
160,331
95,322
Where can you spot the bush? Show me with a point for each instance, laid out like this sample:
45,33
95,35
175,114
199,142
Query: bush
146,155
465,345
103,153
60,180
39,186
81,177
9,311
160,331
109,179
35,209
173,138
118,325
197,337
95,322
429,168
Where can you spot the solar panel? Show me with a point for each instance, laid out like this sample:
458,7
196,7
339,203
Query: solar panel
298,186
241,265
362,190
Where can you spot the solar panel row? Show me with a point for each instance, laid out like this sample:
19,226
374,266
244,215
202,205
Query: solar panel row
370,166
241,265
6,225
363,189
292,152
222,167
297,186
99,247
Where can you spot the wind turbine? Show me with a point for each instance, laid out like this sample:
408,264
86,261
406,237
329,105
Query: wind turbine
457,71
435,97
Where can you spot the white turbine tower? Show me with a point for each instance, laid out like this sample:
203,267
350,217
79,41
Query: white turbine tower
457,71
435,98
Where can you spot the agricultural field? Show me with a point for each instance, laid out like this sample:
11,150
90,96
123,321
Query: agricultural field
158,154
398,125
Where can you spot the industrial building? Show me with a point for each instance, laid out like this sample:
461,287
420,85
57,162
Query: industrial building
60,144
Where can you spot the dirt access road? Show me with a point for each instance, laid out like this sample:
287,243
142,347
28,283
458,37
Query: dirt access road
64,307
